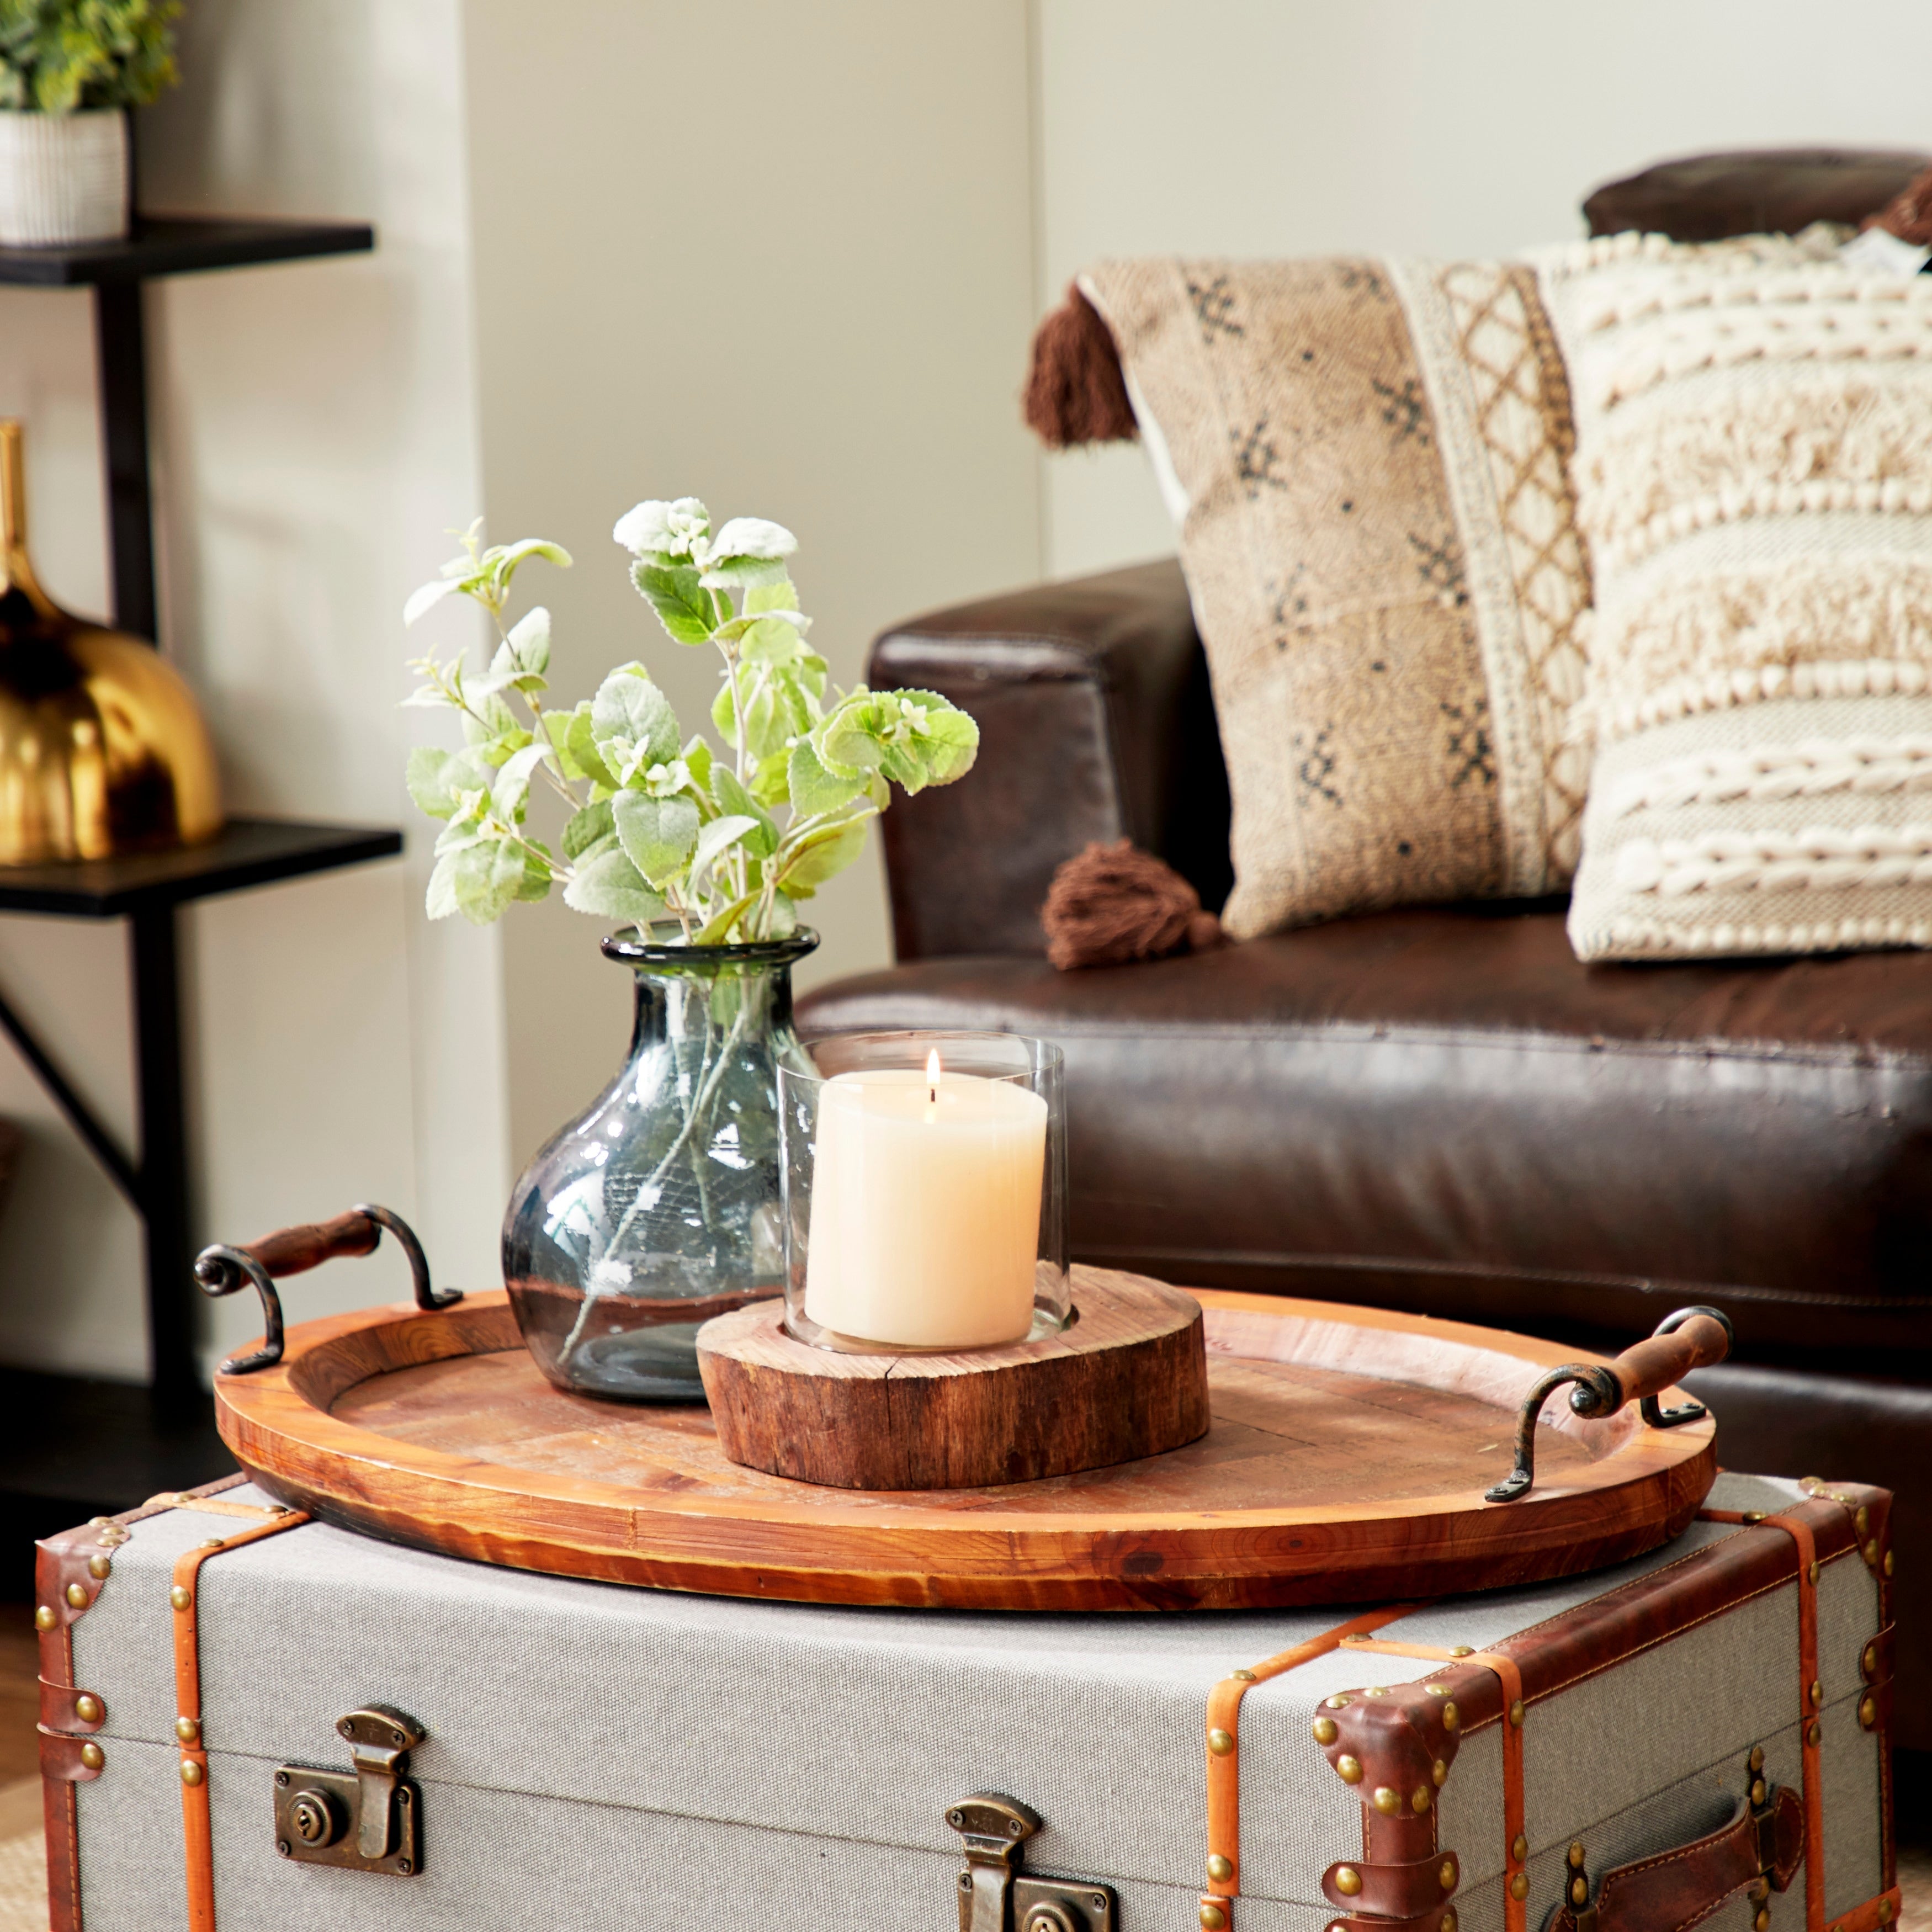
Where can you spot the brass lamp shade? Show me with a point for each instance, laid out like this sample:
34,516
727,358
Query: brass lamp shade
102,749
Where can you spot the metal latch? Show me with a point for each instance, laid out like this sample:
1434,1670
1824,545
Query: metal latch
996,1896
368,1819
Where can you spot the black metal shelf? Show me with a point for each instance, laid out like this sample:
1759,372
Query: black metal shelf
95,1445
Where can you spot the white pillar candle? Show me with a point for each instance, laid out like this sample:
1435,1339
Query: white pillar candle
926,1189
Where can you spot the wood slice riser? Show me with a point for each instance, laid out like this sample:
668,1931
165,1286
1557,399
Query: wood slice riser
1128,1380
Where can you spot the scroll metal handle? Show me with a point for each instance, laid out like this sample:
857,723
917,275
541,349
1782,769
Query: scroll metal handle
223,1270
1692,1338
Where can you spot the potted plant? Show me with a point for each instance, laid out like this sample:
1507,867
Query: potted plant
69,71
659,1207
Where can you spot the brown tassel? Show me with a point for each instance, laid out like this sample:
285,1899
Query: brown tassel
1112,903
1909,214
1075,391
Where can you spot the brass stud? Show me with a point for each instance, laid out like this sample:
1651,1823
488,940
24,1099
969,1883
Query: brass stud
1758,1891
1326,1730
1438,1771
1817,1694
1579,1890
1519,1848
188,1730
1347,1881
1813,1733
1462,1650
1757,1792
213,1543
1862,1521
1867,1712
1220,1869
1885,1911
99,1567
1871,1554
1870,1660
1437,1690
1884,1904
179,1597
1445,1875
46,1617
1418,1799
1761,1923
77,1595
1446,1923
1242,1676
1451,1716
1213,1918
1516,1715
1814,1572
191,1772
1756,1759
99,1522
1519,1886
1576,1857
1376,1690
1340,1701
92,1756
1349,1769
1752,1515
1219,1742
1385,1800
87,1708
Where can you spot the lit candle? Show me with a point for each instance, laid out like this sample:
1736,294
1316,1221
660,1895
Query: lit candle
925,1190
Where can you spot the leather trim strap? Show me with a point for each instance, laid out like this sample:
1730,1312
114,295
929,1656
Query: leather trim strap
185,1596
1224,1766
1810,1698
1876,1912
1515,1909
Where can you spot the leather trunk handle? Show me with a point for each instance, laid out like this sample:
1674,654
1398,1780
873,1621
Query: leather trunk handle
1758,1847
1692,1338
222,1269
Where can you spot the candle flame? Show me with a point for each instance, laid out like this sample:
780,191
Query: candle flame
932,1077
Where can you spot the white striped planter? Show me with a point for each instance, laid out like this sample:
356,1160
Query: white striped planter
63,178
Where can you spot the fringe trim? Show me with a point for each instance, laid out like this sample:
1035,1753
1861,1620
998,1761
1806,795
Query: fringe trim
1076,392
1837,441
1812,769
1628,934
1820,858
1815,627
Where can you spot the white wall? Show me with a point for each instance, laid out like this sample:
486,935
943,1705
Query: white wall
778,256
1440,128
313,429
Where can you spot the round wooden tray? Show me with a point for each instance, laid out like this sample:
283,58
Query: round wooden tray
1346,1462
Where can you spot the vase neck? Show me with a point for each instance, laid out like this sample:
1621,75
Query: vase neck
684,1003
17,571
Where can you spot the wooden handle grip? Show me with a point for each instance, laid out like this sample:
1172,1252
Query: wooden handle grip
297,1249
1649,1367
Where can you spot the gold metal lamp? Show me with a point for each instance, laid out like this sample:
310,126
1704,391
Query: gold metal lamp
102,749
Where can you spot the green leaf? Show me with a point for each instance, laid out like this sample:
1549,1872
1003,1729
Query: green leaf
812,788
676,594
633,723
946,740
583,829
846,738
717,838
780,595
719,929
580,739
478,878
529,640
437,779
511,791
657,834
771,780
696,756
732,798
538,874
607,885
823,856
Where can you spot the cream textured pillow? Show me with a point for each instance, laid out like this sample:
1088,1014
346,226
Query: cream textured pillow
1370,461
1754,475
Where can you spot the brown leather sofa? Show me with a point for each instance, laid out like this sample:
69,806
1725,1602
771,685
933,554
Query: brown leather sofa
1437,1109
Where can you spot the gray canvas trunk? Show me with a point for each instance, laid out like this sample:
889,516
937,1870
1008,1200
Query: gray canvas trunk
595,1754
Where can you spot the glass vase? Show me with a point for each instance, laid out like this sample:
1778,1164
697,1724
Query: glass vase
659,1206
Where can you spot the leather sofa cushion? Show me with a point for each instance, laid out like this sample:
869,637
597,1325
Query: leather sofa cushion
1441,1109
1704,197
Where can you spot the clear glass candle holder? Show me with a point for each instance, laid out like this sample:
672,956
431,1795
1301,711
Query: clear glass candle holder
924,1192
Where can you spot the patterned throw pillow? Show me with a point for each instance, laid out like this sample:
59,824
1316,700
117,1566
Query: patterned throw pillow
1369,460
1754,475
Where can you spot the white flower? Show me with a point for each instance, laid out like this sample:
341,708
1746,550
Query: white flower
667,781
745,536
671,530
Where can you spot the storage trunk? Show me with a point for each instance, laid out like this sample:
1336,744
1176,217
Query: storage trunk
595,1755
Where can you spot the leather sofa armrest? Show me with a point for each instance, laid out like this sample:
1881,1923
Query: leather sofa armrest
1096,723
